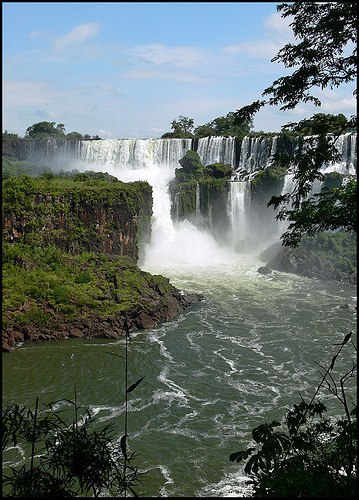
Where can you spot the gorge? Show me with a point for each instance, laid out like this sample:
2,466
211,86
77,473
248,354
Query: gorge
221,367
243,214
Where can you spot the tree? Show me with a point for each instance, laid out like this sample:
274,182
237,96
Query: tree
9,135
325,56
45,129
224,126
317,456
182,127
320,122
75,136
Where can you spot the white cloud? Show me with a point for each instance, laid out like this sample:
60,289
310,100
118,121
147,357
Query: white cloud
278,25
138,74
77,36
120,62
258,49
158,54
333,102
157,130
107,89
106,133
42,113
278,33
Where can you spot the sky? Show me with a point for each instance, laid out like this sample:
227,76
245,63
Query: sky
128,69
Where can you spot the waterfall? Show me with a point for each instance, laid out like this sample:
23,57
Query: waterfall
199,217
139,152
217,150
155,160
134,153
256,153
346,145
238,204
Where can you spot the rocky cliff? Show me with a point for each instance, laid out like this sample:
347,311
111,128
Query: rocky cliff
108,217
69,260
326,256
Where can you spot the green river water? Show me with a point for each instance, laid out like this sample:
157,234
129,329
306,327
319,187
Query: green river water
222,367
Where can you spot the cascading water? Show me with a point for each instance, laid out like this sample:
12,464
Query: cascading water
257,154
238,204
216,149
156,159
218,370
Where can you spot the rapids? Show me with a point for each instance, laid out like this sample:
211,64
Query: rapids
227,364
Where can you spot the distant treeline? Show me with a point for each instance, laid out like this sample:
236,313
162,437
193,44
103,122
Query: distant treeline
183,127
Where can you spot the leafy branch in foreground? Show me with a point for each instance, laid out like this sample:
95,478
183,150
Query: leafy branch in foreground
129,476
317,456
64,457
324,55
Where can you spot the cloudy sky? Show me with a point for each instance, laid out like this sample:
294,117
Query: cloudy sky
127,69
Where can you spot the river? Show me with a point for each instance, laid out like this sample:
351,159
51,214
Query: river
237,359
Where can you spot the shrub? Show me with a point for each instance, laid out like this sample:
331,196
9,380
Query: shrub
83,277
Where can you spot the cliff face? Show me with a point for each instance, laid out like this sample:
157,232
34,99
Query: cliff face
106,217
69,255
41,151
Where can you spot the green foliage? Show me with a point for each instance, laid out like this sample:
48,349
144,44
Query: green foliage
320,124
331,209
325,34
225,126
67,459
191,163
81,178
71,286
74,136
268,180
57,210
218,171
321,57
9,135
82,277
45,129
333,180
315,457
182,128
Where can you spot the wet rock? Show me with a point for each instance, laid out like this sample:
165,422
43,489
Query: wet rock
6,347
264,270
75,332
243,246
29,332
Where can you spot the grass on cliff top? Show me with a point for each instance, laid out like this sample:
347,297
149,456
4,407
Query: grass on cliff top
16,190
62,287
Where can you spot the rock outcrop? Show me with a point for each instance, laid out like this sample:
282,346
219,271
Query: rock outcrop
328,256
71,249
112,217
156,305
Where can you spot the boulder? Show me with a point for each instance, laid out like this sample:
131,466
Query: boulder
6,347
264,270
29,332
145,321
75,332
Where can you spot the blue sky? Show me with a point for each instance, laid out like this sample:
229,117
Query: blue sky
127,69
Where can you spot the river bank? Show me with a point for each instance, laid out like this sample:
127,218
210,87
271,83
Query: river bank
52,296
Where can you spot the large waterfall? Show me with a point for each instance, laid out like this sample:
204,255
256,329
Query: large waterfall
224,366
155,160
